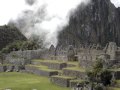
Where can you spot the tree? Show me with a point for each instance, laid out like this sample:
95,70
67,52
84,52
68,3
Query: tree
98,74
106,77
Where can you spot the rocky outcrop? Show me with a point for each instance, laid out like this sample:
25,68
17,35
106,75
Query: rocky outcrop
98,22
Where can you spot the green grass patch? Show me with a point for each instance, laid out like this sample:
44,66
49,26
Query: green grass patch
64,77
73,63
115,70
50,61
118,81
22,81
116,88
44,68
38,66
5,64
76,69
112,88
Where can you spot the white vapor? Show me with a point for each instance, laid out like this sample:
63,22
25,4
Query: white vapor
116,2
46,17
40,17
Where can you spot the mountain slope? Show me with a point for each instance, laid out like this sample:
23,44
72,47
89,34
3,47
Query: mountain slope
98,22
8,35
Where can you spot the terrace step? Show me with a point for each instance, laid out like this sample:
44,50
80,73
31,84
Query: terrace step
51,64
63,81
40,70
74,72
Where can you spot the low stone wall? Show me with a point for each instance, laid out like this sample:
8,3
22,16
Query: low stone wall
71,65
58,66
74,73
64,82
55,66
41,72
10,68
74,83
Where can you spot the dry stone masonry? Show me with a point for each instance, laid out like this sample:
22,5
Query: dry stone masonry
57,59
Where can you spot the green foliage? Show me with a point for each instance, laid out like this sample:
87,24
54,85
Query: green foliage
99,87
106,77
93,75
9,35
99,74
29,45
15,46
20,45
97,68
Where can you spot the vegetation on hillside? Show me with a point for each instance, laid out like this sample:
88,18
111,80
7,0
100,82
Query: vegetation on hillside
32,44
9,35
20,45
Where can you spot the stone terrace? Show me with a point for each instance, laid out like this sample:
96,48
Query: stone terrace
66,74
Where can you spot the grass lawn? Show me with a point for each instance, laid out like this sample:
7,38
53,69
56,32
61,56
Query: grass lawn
114,88
75,69
22,81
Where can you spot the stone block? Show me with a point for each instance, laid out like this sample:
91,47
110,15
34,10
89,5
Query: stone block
61,80
74,73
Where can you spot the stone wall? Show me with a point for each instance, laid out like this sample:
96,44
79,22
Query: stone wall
71,65
64,82
10,68
74,73
41,72
24,57
58,66
28,54
53,65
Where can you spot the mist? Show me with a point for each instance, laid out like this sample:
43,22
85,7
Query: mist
45,18
30,2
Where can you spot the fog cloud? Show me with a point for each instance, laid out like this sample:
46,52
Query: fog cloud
46,17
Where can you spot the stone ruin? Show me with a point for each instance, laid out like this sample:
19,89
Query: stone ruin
85,55
71,53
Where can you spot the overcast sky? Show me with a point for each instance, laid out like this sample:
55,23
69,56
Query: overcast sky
12,8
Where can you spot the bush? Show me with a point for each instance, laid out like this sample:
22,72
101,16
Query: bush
20,45
99,75
106,77
99,87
